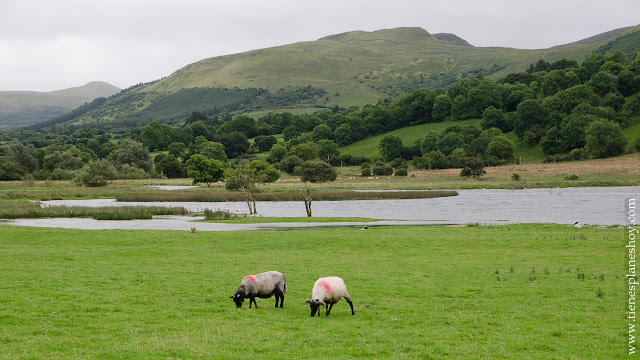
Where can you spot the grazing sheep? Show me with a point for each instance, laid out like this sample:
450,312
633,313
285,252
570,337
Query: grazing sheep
263,285
577,225
326,292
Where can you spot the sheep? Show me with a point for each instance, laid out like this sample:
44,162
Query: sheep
326,292
577,225
263,285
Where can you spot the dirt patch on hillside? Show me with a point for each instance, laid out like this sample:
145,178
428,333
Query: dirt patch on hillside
627,164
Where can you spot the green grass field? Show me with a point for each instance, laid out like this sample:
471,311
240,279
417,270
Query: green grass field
509,292
409,136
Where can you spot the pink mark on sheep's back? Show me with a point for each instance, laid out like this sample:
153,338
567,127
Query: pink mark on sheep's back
326,286
253,281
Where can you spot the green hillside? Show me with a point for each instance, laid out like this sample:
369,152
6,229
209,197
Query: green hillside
369,147
353,68
23,108
409,135
360,67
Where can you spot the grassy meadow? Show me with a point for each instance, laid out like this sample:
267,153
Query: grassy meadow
507,292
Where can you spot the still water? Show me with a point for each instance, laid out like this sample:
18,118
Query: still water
590,205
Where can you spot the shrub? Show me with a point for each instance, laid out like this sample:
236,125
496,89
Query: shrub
132,172
96,174
473,166
577,154
515,177
401,172
421,162
318,171
289,164
382,169
365,169
398,163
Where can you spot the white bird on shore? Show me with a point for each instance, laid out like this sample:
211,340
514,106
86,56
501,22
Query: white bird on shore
577,225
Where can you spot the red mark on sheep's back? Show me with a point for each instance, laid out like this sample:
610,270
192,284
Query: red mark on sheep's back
253,281
326,286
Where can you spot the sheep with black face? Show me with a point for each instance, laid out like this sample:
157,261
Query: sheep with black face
326,292
263,285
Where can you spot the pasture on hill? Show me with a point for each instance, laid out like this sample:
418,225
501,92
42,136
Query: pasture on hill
498,292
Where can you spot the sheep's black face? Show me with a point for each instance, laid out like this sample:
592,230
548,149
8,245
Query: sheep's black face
314,305
314,309
238,299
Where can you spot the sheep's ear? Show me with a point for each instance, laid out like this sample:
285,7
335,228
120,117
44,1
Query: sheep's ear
308,301
231,297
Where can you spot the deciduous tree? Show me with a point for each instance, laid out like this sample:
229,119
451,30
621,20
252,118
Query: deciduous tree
204,170
473,167
318,171
604,138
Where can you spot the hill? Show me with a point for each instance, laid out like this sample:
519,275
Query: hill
22,108
352,68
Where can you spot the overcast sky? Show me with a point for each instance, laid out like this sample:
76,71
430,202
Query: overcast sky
49,45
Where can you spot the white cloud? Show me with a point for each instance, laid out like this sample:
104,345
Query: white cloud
47,45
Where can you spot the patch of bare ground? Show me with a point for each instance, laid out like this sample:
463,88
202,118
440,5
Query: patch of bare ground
627,164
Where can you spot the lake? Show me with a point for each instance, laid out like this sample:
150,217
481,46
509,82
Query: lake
588,205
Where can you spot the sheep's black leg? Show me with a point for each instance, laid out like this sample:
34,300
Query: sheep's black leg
278,298
281,300
253,299
329,307
350,304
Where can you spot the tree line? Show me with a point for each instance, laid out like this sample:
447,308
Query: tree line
572,110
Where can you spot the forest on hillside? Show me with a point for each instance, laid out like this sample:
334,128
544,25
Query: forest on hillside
572,110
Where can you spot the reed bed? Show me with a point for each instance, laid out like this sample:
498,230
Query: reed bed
321,196
25,210
222,215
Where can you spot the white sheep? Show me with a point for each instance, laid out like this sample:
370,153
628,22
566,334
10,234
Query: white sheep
326,292
577,225
263,285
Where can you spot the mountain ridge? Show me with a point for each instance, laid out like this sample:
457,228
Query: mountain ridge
346,69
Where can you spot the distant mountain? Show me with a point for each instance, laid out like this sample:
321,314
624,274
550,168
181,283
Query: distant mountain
600,38
451,38
23,108
352,68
